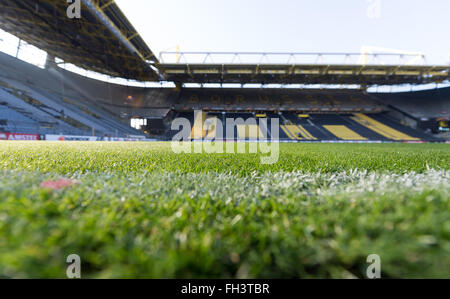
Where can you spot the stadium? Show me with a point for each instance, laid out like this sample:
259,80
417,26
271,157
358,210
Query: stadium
89,168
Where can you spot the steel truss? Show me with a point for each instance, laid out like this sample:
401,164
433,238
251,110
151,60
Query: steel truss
291,58
102,40
300,68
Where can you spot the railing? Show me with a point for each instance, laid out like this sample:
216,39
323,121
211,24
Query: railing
292,58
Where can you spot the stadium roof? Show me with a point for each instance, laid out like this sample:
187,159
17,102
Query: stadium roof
102,40
305,74
300,68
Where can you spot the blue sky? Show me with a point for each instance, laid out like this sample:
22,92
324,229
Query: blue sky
293,25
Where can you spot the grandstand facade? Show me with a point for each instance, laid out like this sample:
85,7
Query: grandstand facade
53,101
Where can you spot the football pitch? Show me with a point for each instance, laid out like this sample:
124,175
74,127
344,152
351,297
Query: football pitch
139,210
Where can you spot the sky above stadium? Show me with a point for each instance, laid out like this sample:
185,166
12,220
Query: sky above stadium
293,25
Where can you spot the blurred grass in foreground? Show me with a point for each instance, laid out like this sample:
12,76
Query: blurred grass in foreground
139,210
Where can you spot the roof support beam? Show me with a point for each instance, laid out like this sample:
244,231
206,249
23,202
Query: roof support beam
107,4
98,12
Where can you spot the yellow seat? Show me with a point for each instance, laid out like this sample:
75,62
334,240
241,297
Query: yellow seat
297,132
211,128
198,131
381,128
249,132
344,133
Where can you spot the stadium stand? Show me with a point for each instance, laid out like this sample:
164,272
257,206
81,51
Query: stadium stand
428,110
13,121
381,128
55,108
343,132
427,104
316,127
395,125
276,100
45,117
55,101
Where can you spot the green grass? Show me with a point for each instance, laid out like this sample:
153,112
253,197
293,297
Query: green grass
140,210
68,158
